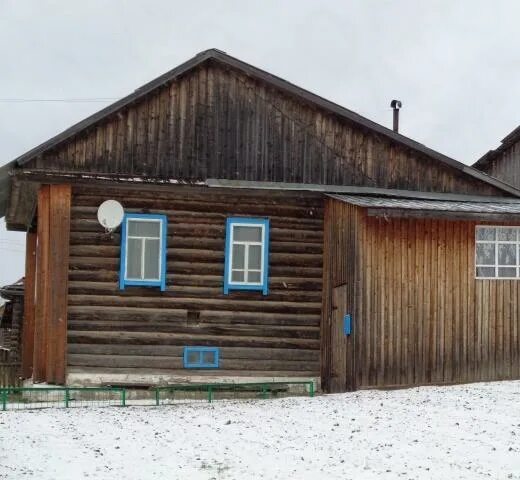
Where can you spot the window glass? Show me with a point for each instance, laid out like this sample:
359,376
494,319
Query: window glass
506,272
255,257
506,254
208,357
254,277
134,251
486,233
247,234
193,356
237,276
152,258
497,252
485,253
486,272
508,234
140,228
239,256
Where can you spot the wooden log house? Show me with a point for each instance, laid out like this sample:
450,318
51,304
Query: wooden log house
269,234
504,161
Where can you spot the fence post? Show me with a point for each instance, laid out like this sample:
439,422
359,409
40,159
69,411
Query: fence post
123,397
4,399
311,388
264,391
67,398
210,393
157,396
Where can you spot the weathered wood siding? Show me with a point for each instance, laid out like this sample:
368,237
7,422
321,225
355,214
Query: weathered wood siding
144,330
52,257
219,123
340,273
29,305
506,165
420,315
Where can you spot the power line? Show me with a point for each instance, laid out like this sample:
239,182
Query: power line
60,100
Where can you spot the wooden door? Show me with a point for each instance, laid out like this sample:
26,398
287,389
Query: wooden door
342,368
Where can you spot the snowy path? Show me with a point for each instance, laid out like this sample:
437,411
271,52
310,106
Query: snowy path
470,431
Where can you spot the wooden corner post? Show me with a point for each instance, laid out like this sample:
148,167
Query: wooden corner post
29,305
50,334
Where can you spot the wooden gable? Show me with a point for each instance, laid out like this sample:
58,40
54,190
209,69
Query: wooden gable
504,162
216,121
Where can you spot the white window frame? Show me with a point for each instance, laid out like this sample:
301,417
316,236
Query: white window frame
246,244
160,280
245,284
497,242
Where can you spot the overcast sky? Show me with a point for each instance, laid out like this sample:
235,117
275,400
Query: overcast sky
454,64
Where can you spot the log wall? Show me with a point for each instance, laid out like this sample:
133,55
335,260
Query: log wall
420,315
143,330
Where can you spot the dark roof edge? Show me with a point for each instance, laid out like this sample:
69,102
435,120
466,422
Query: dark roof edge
338,189
7,292
5,186
276,82
509,140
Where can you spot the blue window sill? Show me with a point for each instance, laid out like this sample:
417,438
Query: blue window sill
231,286
142,283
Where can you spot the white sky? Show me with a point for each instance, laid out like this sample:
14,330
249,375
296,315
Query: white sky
454,64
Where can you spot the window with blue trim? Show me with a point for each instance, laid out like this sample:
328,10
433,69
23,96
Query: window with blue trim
201,357
143,251
247,254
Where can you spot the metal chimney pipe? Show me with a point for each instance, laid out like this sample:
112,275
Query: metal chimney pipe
396,105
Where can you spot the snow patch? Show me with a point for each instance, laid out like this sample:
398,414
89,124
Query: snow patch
461,432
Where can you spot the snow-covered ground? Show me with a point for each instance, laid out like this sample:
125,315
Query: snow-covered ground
470,432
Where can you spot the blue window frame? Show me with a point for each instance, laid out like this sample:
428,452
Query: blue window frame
247,254
201,357
143,251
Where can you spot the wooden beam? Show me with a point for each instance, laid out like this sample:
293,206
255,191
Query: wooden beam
60,196
42,286
29,305
512,218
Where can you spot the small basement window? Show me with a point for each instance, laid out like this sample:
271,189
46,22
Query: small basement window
201,357
497,252
247,254
143,251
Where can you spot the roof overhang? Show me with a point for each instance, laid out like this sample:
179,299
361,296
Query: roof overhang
443,206
5,186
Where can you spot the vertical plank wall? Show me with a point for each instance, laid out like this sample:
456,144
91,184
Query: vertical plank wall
506,165
340,276
52,256
217,122
421,317
29,305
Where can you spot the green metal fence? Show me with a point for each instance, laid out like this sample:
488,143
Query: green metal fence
23,398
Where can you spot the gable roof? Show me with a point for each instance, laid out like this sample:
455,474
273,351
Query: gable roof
508,141
222,58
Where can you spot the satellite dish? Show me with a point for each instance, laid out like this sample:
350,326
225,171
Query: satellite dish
110,214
